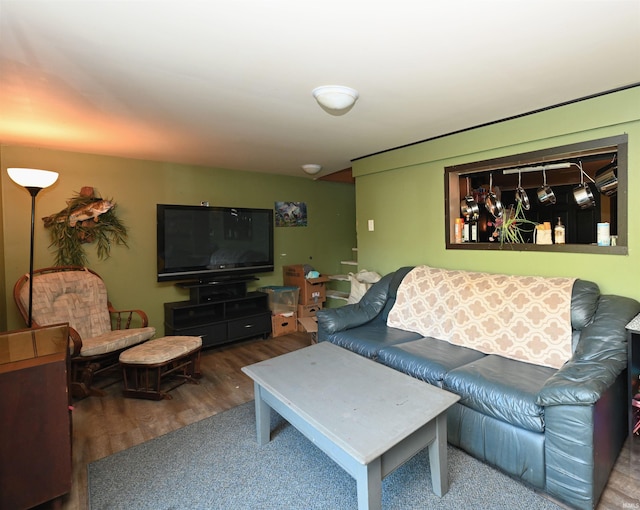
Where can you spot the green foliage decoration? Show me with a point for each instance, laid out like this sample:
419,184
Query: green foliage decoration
71,228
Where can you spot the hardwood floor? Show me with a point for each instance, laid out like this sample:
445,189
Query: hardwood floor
105,425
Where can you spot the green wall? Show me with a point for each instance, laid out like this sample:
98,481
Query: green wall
403,192
137,186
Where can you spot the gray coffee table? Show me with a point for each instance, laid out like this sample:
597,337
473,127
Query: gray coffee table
368,418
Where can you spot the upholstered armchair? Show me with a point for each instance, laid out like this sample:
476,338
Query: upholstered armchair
97,332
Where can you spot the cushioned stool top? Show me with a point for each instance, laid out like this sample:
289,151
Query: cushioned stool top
161,350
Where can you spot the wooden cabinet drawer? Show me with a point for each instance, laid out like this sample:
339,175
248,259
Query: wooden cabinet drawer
212,334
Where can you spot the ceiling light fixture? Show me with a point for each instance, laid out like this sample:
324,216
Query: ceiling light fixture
335,99
311,169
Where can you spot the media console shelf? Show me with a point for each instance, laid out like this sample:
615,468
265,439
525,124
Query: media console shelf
220,312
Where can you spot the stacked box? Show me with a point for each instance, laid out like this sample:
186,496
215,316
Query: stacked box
312,290
282,300
283,324
307,312
309,325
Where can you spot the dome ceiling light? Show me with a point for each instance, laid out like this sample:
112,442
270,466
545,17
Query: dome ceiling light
335,99
311,169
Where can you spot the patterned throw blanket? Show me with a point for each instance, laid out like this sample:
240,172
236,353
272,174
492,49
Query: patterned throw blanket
527,318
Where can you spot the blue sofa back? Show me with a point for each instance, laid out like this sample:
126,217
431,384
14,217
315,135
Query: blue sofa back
378,301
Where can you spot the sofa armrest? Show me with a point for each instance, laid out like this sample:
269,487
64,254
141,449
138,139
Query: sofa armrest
600,356
578,383
333,320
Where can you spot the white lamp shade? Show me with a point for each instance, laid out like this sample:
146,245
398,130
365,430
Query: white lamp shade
32,177
335,99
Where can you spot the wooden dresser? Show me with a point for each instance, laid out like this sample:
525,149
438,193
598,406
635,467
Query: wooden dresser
35,417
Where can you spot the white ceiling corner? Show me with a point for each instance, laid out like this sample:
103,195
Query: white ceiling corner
227,83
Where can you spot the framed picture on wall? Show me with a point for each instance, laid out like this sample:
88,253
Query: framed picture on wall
291,214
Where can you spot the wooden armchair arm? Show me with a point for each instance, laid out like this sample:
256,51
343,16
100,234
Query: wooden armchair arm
75,342
122,319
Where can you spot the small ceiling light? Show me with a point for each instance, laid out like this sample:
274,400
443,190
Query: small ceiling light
335,99
311,169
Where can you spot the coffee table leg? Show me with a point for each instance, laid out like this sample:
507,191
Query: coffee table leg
263,416
438,458
369,483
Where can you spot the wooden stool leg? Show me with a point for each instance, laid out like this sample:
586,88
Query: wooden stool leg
195,365
142,381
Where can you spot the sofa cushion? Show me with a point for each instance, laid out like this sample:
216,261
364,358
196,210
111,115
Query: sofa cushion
521,317
584,303
503,388
427,359
394,284
374,305
367,340
353,315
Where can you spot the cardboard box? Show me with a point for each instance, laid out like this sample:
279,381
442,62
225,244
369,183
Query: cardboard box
281,299
283,324
309,325
309,310
312,290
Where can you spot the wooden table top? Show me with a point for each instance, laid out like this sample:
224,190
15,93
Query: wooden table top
363,406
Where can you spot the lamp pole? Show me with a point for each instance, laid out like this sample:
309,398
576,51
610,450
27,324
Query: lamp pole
33,191
33,180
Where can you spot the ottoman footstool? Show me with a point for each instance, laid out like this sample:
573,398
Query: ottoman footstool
148,366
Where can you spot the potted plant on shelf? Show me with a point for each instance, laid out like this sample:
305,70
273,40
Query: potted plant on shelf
511,225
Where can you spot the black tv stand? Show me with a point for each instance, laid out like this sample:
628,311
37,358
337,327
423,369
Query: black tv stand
219,280
208,290
219,311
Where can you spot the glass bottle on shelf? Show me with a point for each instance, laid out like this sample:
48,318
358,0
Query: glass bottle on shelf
470,232
466,235
558,232
458,229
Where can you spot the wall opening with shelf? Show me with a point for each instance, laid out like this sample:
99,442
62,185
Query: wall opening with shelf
340,283
578,186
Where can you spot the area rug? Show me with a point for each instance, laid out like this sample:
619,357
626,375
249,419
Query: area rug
217,464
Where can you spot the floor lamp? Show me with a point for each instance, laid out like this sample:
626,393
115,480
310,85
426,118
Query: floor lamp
33,180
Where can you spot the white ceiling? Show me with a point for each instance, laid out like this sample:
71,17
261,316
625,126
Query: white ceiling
227,83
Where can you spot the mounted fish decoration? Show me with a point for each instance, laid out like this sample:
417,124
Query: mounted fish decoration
89,212
86,219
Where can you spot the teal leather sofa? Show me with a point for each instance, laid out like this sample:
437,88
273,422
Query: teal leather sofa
557,430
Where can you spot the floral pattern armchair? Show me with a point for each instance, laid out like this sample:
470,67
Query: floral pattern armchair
97,332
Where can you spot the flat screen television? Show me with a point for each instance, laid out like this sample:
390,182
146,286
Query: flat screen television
209,244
